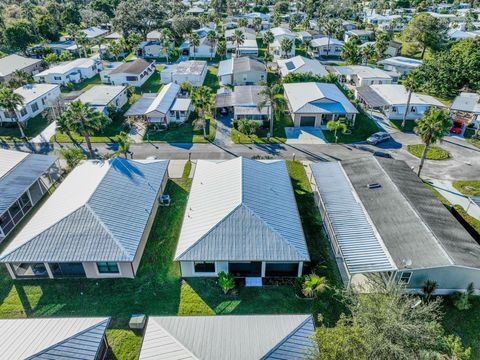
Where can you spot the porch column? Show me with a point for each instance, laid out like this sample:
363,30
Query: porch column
334,117
264,266
49,271
10,271
300,269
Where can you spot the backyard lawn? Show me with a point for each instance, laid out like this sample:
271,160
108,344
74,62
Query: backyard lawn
261,136
158,289
183,133
363,128
84,85
468,187
35,126
152,85
433,153
409,125
211,80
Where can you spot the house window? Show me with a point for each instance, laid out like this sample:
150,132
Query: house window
132,78
35,107
57,78
405,277
107,267
204,267
23,112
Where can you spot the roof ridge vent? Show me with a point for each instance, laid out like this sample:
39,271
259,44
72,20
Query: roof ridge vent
374,186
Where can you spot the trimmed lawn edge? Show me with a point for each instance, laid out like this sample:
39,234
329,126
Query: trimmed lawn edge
433,153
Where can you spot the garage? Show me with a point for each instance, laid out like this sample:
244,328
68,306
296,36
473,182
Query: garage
307,121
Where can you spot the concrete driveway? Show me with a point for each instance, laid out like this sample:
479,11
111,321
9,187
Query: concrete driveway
305,135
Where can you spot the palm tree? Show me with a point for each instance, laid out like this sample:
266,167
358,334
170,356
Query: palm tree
286,46
77,35
268,38
257,21
85,120
166,37
432,127
72,156
212,38
202,98
368,52
330,28
221,48
270,96
124,143
411,84
115,48
350,53
238,39
11,101
194,41
242,22
336,125
429,287
314,285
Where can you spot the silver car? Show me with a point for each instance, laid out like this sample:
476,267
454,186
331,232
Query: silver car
378,138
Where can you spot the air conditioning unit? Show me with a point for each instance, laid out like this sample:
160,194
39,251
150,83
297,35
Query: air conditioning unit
164,200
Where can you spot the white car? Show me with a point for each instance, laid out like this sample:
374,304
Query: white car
378,138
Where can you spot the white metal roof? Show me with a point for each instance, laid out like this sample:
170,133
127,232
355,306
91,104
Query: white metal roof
361,245
241,209
66,67
469,102
240,337
396,94
323,41
9,159
52,338
302,65
32,92
401,61
281,31
363,72
165,99
101,95
11,63
315,97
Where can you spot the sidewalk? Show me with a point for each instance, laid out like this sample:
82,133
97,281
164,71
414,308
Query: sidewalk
451,194
46,134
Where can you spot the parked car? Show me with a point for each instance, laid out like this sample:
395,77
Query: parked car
378,138
457,127
382,154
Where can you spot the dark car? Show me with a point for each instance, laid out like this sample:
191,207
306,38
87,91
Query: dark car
378,137
382,154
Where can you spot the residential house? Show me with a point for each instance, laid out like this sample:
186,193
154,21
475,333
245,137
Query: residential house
304,36
408,236
241,71
275,48
54,338
393,48
242,103
321,47
362,35
94,32
195,11
191,71
114,36
348,25
132,73
249,46
95,224
361,75
206,48
400,64
466,108
391,99
385,22
60,46
301,65
457,34
103,98
74,71
108,67
229,337
13,63
265,24
241,218
314,104
154,35
36,99
151,49
164,108
24,179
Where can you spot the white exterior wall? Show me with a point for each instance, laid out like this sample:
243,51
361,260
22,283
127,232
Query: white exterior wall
203,51
250,77
417,112
125,271
120,100
75,75
48,98
372,81
121,78
335,50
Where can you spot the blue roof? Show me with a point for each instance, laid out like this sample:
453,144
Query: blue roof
15,182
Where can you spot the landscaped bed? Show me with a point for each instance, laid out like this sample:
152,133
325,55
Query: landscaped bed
260,137
433,153
363,128
468,187
183,133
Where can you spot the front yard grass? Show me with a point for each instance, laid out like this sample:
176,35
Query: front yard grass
83,85
152,85
34,127
474,142
433,153
211,80
363,128
409,125
158,288
183,133
279,137
468,187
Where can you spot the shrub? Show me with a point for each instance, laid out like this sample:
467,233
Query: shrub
314,285
462,300
226,282
433,153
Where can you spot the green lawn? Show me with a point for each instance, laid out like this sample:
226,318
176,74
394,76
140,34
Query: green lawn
261,136
363,128
34,127
158,289
84,85
152,85
409,125
211,80
433,153
474,142
468,187
184,133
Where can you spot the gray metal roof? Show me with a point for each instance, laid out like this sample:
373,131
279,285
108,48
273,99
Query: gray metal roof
242,209
371,97
52,338
361,246
11,63
20,172
241,337
99,213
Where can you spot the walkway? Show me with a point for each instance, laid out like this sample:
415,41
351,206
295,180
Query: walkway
305,135
224,128
46,134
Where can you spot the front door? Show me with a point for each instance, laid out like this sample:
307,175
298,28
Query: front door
245,269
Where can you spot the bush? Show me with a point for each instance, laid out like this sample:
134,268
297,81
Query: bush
226,282
313,285
433,153
462,299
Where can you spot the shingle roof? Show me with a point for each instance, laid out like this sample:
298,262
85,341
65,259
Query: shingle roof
242,209
252,337
99,213
18,171
132,67
52,338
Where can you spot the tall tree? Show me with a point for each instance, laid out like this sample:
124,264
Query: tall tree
139,16
330,29
221,48
268,38
412,84
271,97
432,127
19,35
72,156
426,31
123,142
194,41
11,101
335,126
212,39
350,53
238,39
166,38
286,45
84,120
257,22
202,98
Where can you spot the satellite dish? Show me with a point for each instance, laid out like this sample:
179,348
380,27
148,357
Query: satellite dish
407,262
